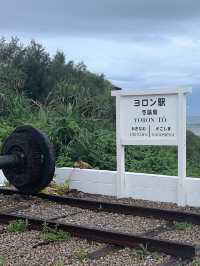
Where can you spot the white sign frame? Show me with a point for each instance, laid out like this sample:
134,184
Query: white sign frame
179,141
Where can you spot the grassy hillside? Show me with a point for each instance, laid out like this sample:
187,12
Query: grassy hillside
74,107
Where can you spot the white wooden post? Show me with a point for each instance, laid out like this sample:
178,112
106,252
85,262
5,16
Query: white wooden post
164,125
181,190
120,180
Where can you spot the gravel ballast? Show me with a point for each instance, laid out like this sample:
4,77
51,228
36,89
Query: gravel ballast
131,201
48,210
39,208
21,249
188,235
101,220
14,201
73,215
113,221
26,249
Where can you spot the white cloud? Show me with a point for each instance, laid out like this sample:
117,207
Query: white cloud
135,43
127,63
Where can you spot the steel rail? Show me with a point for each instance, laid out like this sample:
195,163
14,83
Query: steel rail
173,248
169,215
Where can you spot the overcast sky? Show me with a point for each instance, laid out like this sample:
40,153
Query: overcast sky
135,43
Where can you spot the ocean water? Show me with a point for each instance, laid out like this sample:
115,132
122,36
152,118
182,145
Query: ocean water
193,124
195,128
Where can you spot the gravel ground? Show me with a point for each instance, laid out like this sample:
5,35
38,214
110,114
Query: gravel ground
189,235
113,221
20,249
102,220
131,201
48,210
17,249
39,208
74,193
13,201
36,207
132,257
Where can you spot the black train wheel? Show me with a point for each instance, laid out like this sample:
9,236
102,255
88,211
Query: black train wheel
38,166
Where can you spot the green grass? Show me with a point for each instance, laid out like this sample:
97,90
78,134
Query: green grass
59,263
81,255
17,226
143,253
2,260
182,226
57,189
54,235
196,262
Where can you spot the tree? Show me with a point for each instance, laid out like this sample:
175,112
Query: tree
36,66
11,61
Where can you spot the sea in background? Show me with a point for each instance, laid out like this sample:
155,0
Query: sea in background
193,124
2,180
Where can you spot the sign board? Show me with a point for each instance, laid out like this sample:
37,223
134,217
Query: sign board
147,118
151,117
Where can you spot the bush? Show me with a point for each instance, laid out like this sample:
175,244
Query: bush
5,131
74,107
17,226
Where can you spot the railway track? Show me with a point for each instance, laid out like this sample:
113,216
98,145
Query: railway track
148,238
169,215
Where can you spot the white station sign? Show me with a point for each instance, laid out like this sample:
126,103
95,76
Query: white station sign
149,117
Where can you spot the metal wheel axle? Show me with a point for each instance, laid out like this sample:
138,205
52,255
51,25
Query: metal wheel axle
27,159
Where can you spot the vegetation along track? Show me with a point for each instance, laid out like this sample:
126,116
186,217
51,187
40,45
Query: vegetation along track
171,232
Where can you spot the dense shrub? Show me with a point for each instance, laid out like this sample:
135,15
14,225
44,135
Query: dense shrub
74,107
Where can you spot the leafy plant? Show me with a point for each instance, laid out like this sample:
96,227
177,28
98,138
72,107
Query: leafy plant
5,130
2,260
54,235
196,262
142,254
59,263
57,189
182,226
81,255
75,108
17,226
